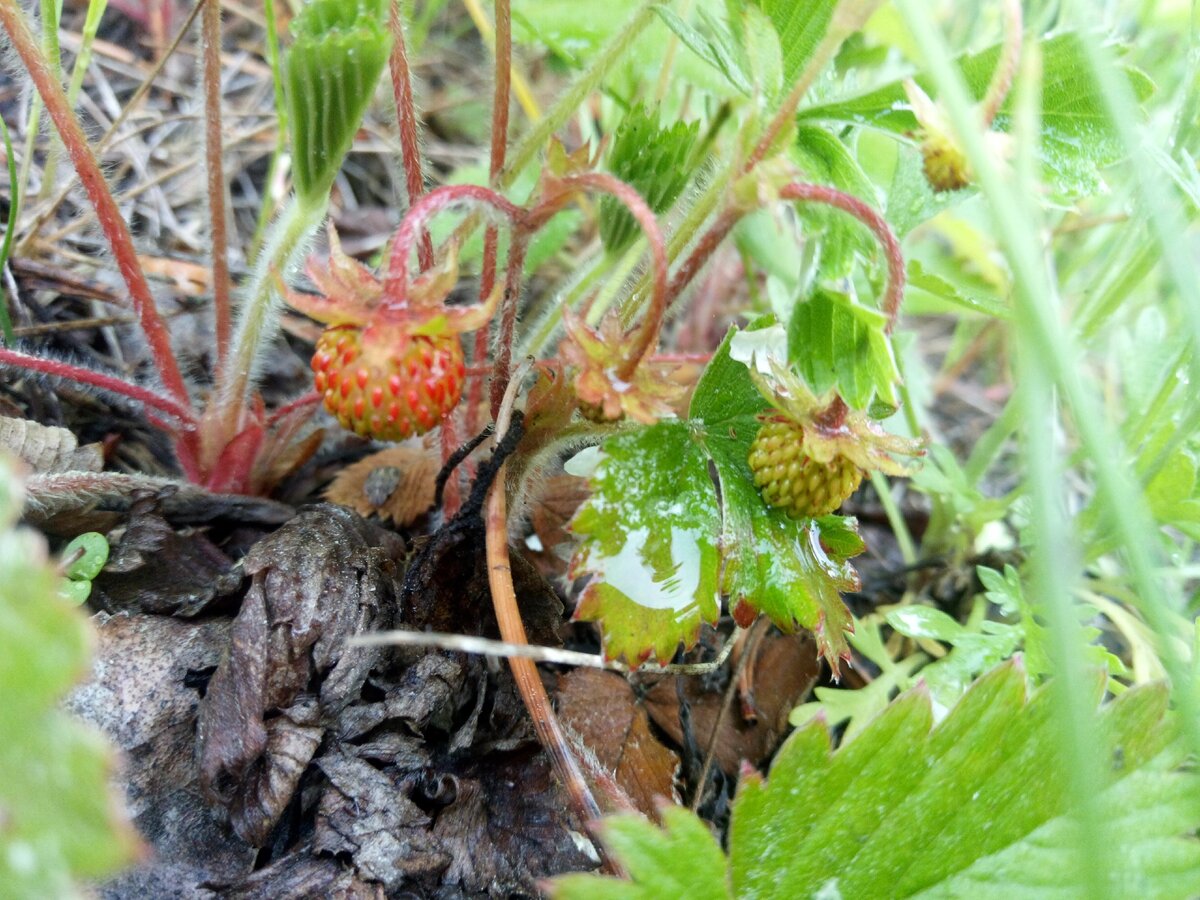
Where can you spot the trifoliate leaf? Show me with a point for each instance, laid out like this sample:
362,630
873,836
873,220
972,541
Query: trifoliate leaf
1077,136
655,161
57,819
974,807
837,344
330,73
664,541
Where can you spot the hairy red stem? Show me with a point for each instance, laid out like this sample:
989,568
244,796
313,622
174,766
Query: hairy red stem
702,252
499,149
815,193
80,375
502,370
213,146
92,179
425,209
647,336
406,117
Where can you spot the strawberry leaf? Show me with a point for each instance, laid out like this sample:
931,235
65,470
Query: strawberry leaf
975,806
1077,136
674,522
837,344
800,27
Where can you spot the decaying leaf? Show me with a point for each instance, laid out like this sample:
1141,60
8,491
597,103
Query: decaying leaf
322,578
139,695
48,448
600,707
154,568
396,484
54,494
784,670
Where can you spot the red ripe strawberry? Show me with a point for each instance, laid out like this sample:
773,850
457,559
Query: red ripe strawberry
386,383
389,363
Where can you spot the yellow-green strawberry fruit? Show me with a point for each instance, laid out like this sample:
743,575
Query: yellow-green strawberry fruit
788,479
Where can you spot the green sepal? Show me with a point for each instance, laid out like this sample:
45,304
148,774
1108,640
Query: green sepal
338,53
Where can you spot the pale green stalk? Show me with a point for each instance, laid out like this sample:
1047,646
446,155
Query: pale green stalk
91,24
588,80
14,213
274,58
258,314
1056,349
904,538
51,11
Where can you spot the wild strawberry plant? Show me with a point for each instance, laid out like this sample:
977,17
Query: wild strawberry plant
809,138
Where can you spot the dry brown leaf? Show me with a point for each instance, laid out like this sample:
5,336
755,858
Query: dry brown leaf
48,448
600,707
395,484
785,667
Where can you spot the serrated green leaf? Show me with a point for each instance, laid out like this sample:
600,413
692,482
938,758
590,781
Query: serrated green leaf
974,807
780,566
718,47
800,27
57,819
651,856
655,161
725,390
1076,137
939,287
837,344
330,72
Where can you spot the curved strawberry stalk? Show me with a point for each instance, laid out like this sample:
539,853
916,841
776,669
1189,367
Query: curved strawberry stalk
805,192
893,293
396,284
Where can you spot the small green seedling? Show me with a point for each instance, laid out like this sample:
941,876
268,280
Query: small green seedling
82,560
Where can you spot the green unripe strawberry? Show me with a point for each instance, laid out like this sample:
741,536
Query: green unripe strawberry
793,481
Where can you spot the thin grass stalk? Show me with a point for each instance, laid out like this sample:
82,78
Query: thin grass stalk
1053,566
215,177
83,59
406,116
97,190
535,141
1121,499
49,10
